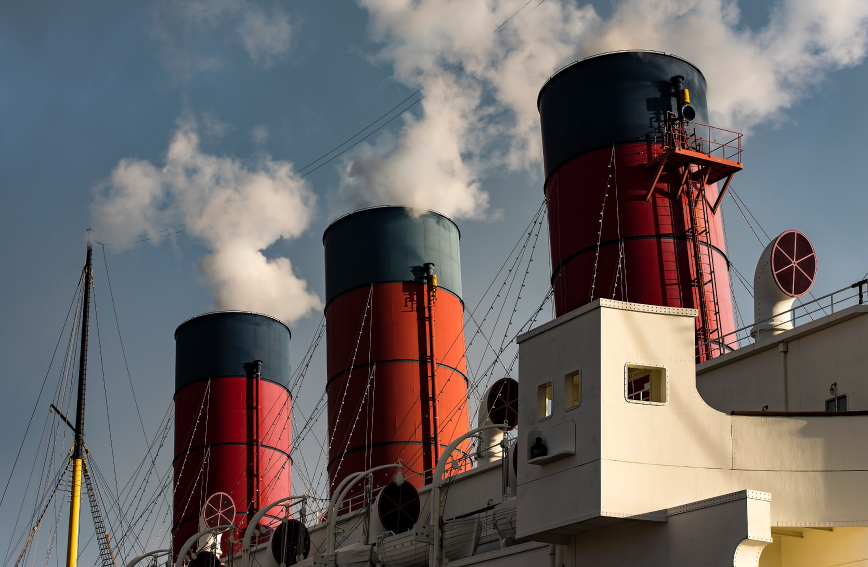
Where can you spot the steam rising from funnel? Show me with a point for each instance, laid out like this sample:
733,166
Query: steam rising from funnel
484,117
236,211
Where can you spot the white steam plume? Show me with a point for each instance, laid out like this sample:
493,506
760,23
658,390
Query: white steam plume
235,211
485,117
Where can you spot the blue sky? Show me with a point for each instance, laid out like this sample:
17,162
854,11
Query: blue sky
94,90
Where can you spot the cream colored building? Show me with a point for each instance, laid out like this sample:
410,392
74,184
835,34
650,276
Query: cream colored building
653,460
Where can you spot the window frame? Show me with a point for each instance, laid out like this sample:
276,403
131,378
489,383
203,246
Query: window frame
568,379
545,392
836,399
637,366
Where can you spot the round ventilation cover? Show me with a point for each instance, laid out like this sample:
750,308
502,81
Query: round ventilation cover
794,263
285,540
219,510
502,402
398,507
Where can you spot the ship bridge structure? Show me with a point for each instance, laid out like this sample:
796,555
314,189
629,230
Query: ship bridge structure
629,453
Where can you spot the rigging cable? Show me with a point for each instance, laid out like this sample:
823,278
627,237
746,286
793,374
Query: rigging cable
105,389
39,397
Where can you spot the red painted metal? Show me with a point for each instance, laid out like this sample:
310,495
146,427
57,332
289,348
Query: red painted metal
794,263
216,443
658,256
382,377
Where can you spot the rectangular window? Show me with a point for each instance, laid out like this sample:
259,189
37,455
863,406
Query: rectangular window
838,403
572,389
646,384
544,400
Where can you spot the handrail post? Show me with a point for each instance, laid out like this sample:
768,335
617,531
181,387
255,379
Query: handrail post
436,481
186,548
859,284
154,553
338,498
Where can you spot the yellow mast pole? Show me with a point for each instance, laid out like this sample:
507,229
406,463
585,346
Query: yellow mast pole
78,447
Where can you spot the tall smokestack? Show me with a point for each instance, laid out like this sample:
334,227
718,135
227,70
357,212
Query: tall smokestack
393,299
232,426
615,232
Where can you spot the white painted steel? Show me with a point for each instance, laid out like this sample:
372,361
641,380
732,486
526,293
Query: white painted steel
189,543
155,553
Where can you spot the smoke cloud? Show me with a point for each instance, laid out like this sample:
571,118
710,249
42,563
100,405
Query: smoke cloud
484,116
236,211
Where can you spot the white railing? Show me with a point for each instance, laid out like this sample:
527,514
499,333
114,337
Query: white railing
821,306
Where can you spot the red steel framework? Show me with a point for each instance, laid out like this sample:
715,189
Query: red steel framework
659,240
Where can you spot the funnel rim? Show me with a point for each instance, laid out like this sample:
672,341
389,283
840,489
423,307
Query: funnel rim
406,208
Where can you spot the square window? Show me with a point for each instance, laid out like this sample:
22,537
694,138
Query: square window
838,403
572,389
646,384
544,400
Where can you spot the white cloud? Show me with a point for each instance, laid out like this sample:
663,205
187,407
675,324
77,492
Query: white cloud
259,134
485,117
194,32
752,75
236,211
265,37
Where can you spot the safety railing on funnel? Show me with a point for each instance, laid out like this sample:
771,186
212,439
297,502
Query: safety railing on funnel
821,306
678,134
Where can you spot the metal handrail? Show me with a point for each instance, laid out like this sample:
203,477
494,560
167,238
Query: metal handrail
724,345
673,133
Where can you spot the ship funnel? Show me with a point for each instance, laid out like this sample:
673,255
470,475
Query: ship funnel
786,270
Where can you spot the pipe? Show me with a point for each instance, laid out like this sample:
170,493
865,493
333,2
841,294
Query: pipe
183,553
436,481
251,526
431,293
257,376
553,550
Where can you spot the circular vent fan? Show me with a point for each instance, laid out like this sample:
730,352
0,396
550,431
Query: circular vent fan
219,510
284,542
502,402
794,263
398,507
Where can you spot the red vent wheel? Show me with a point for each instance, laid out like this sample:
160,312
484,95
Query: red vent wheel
794,263
219,510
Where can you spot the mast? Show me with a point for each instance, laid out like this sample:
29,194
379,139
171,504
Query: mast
78,447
